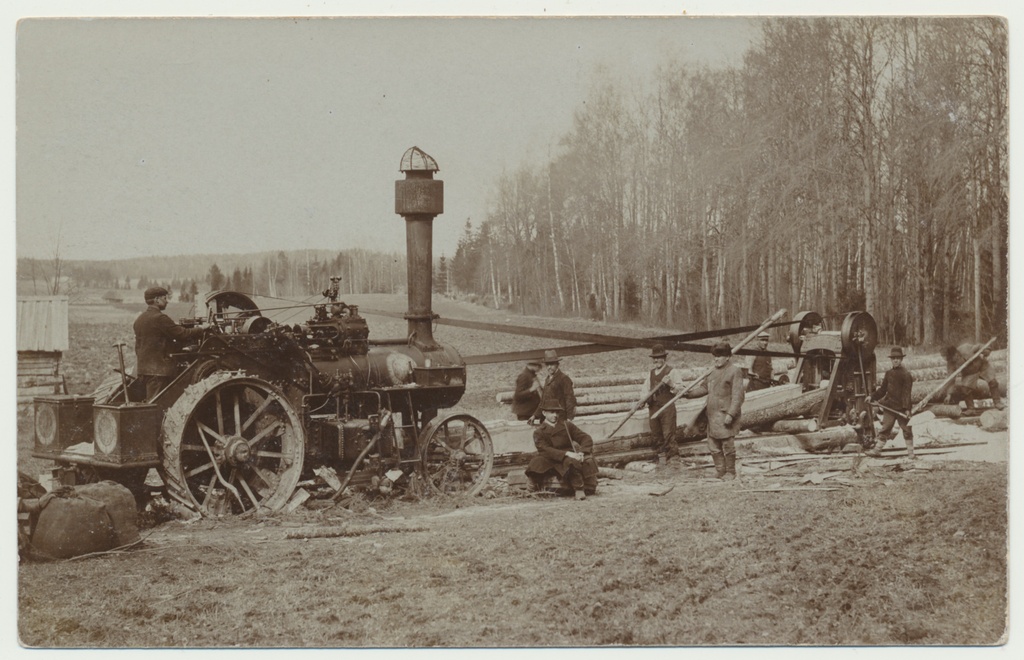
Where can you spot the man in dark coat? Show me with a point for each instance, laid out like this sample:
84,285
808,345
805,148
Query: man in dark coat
759,368
526,398
894,395
155,336
564,450
558,386
724,389
664,383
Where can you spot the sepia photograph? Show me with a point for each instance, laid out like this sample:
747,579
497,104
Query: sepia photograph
511,327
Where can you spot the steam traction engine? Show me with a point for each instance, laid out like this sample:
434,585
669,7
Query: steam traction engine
256,406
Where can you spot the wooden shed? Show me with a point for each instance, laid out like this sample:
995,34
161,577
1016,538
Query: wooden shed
42,340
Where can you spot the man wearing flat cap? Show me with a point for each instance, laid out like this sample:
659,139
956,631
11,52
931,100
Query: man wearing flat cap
563,449
893,396
724,389
759,367
660,386
155,336
526,398
558,386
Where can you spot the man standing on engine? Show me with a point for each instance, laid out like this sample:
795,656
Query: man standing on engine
155,336
893,396
724,389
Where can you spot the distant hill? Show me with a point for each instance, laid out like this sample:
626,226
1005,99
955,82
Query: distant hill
292,272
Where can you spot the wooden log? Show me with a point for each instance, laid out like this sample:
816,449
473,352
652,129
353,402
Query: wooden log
630,391
923,388
797,406
931,373
608,380
947,411
582,411
795,426
586,398
994,420
831,439
913,362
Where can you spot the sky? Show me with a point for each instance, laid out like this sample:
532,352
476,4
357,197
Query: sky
158,135
140,137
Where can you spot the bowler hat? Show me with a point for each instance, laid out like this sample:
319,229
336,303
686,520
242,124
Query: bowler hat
896,352
154,292
534,362
551,357
552,405
721,349
658,351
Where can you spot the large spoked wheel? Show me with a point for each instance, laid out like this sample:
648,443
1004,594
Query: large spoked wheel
456,455
232,444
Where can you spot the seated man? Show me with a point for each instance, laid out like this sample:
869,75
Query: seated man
978,369
563,450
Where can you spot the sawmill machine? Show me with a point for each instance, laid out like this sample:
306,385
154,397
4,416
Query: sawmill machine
257,407
843,363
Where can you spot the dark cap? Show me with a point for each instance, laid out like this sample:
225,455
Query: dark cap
154,292
658,351
896,352
534,362
721,349
553,405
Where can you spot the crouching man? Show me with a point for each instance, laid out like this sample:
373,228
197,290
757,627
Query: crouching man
563,450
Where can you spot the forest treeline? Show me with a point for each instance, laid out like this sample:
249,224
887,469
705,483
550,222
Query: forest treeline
290,275
848,164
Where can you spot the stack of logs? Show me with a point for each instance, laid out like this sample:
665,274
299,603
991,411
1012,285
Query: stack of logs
617,393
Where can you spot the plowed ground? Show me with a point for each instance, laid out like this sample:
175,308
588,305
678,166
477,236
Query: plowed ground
900,555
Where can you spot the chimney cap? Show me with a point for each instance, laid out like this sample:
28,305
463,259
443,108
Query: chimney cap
416,160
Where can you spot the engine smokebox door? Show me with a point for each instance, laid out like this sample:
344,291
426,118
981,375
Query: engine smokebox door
128,433
60,422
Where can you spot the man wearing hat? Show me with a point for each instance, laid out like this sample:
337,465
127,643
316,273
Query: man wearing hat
759,367
526,398
724,389
564,450
558,386
155,335
894,395
660,386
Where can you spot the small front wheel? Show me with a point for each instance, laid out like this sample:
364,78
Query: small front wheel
456,455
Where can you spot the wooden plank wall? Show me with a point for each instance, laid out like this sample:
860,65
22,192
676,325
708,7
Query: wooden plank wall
39,373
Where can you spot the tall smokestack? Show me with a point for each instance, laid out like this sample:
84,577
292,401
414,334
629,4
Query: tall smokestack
418,199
